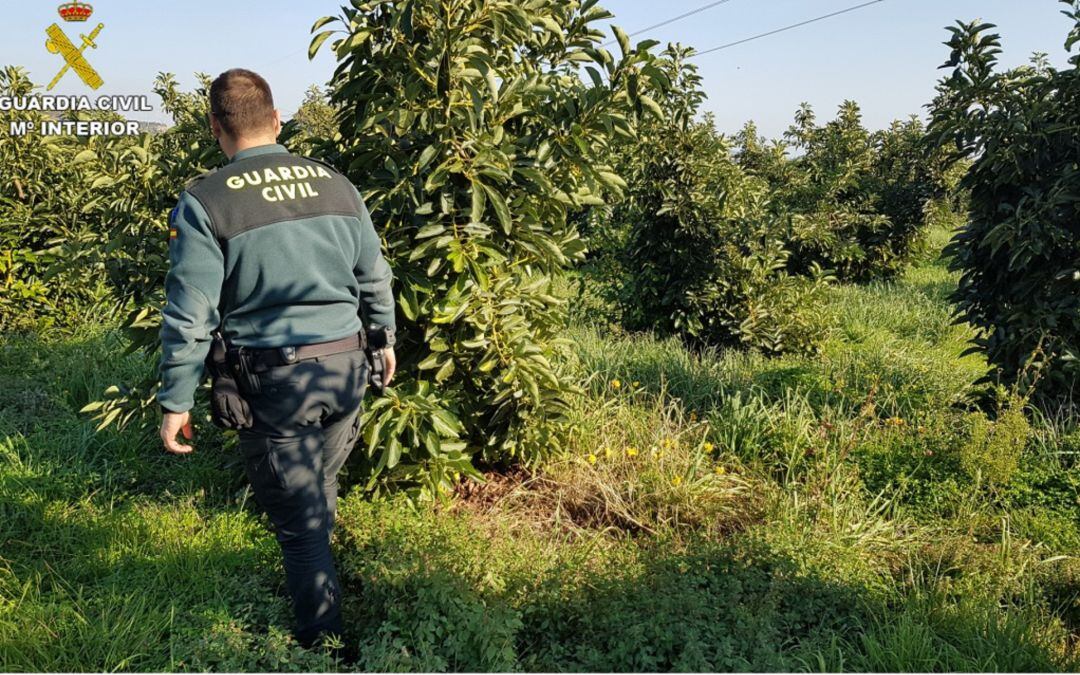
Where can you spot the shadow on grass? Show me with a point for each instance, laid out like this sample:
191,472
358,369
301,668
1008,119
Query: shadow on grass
48,381
700,382
113,587
115,555
937,289
98,589
426,594
713,609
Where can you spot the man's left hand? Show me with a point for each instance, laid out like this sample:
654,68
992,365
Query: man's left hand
173,424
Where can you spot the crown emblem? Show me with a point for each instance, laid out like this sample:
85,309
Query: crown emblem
75,11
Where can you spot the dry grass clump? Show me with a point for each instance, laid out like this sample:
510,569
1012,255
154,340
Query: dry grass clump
638,465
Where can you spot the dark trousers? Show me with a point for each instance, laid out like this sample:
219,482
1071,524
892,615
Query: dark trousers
306,423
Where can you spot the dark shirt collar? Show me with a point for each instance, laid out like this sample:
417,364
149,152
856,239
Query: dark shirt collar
269,149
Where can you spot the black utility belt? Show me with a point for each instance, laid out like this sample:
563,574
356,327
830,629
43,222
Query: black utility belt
257,360
235,370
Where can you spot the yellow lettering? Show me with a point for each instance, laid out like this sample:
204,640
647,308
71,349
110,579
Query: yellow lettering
270,175
323,173
300,173
253,178
289,190
268,194
286,173
235,182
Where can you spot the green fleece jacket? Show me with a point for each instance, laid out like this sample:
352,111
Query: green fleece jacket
278,250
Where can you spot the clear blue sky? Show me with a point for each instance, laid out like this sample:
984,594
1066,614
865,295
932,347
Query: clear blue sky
885,56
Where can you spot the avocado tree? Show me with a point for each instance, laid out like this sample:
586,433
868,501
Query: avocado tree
314,123
82,217
702,256
473,128
28,219
834,221
1019,252
136,183
854,201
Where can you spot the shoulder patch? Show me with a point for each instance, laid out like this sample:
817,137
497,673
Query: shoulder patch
173,232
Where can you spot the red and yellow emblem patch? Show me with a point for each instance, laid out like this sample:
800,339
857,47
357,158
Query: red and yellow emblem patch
173,233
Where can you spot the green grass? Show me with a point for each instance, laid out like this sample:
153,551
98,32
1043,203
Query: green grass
718,511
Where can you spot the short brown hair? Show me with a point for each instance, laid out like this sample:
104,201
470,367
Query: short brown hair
241,101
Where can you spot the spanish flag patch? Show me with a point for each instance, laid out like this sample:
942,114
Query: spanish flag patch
173,234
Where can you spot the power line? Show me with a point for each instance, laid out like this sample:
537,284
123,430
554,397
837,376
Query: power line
692,12
699,10
787,28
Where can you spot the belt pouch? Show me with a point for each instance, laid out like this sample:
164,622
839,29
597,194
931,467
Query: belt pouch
228,408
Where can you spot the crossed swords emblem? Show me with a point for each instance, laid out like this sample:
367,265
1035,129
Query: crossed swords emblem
59,43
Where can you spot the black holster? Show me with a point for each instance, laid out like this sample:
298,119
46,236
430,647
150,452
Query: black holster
373,350
228,409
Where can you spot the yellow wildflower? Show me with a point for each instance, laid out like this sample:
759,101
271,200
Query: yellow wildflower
720,471
676,481
636,384
607,452
615,384
631,452
895,421
709,447
592,458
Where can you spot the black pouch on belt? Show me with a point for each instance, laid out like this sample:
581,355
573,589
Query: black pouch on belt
377,365
373,350
228,409
240,366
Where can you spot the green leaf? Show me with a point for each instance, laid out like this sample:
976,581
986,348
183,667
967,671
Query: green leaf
408,303
502,211
429,153
612,180
430,362
623,39
432,230
393,453
322,22
652,106
594,75
445,372
551,25
478,202
355,41
317,43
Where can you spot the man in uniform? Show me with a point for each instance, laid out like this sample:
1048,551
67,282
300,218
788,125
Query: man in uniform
278,255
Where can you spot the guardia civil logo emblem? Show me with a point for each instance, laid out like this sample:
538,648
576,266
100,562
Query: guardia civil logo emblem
59,43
